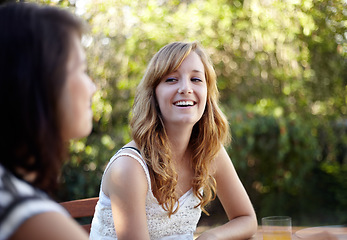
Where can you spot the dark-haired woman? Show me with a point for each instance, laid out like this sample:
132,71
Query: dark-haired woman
45,100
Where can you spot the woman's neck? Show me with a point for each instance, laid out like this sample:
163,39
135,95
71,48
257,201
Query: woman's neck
179,138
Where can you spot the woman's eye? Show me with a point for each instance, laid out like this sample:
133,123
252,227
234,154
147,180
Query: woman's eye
196,80
170,80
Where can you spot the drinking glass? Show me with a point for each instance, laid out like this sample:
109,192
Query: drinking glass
277,228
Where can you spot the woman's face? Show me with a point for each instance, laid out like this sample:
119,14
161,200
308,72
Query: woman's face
182,94
76,97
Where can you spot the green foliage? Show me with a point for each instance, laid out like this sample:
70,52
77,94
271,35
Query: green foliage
284,169
281,68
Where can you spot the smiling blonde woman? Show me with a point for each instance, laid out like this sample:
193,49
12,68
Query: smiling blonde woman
156,186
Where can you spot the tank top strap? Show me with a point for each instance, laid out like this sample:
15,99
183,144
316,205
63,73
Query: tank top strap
135,155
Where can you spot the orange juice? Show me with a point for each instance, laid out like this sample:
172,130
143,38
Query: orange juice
277,235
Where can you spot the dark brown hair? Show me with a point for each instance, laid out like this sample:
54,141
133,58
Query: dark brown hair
35,43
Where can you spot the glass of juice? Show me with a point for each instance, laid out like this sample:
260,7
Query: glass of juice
277,228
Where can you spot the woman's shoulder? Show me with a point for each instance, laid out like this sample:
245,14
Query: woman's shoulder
127,158
124,175
21,201
127,168
131,147
126,165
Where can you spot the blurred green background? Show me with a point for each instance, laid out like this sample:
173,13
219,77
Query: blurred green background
282,74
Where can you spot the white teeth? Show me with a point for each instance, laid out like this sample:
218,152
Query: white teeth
185,103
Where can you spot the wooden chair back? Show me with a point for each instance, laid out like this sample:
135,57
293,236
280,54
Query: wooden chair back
81,208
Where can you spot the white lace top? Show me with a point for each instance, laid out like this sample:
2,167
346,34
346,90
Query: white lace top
180,226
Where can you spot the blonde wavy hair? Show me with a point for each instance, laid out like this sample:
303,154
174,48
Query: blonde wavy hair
209,134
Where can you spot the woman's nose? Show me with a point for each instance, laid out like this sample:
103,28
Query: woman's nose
185,87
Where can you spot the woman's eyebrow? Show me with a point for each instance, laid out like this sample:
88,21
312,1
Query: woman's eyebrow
194,70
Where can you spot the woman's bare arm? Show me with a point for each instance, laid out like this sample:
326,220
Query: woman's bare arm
52,226
126,185
242,222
